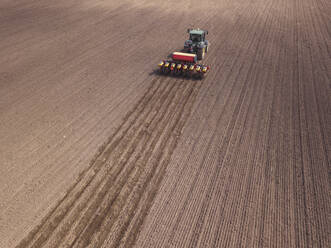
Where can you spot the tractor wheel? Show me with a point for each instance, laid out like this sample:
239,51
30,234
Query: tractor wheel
201,54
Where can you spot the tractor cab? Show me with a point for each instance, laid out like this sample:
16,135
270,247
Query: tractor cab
197,42
197,36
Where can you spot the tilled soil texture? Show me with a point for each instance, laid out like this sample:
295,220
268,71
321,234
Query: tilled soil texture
98,150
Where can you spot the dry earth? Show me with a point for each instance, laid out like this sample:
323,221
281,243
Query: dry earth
96,150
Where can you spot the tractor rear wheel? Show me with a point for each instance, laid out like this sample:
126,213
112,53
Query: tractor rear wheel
201,53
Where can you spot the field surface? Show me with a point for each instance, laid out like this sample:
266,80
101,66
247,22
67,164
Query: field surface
98,150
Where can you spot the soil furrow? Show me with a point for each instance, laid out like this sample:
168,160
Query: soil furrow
88,175
133,229
98,150
130,170
120,152
214,104
154,160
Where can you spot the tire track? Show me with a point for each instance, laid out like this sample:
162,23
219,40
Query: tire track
120,167
156,157
127,119
106,176
84,175
131,171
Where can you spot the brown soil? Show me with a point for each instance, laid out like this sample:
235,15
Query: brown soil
97,150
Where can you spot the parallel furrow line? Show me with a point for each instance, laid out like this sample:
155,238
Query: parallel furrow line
129,119
107,207
113,182
159,164
107,172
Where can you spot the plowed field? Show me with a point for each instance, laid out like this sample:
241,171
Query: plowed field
98,150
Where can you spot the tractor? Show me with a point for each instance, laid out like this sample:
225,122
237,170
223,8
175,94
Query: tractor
186,63
197,43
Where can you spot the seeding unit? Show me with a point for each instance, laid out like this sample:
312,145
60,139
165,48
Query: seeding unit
183,64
